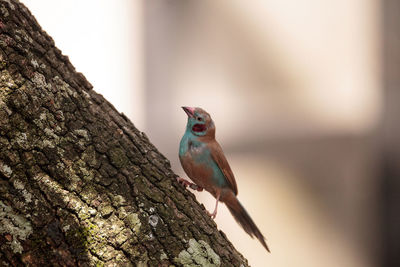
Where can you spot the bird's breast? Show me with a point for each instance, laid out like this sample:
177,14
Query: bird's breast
198,164
192,155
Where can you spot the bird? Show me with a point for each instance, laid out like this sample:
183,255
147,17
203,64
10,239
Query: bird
205,164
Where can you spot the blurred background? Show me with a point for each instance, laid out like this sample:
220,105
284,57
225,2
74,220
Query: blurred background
303,94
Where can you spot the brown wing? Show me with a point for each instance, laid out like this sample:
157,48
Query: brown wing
219,157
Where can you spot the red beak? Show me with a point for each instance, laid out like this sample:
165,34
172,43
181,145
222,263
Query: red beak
189,111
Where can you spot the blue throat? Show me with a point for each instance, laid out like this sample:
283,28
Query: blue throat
190,141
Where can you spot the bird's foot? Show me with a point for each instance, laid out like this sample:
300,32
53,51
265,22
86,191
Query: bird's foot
212,215
186,183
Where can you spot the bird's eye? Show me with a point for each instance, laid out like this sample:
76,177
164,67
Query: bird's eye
199,119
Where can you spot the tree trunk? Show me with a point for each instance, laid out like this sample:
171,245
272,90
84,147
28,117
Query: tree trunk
79,184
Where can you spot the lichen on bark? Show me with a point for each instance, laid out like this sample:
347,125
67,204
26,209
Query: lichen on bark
79,184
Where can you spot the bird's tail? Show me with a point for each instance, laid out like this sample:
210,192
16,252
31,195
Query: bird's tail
243,218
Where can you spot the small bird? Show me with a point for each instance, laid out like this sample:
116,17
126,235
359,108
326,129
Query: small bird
204,162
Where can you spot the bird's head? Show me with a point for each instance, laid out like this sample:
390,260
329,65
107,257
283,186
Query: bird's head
199,122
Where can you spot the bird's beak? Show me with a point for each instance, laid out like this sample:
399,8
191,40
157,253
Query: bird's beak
189,111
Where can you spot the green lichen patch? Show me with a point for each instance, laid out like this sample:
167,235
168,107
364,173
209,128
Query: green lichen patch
163,256
34,63
5,170
20,186
85,212
21,141
122,213
75,183
112,226
89,156
198,254
39,80
118,201
152,173
4,11
5,126
105,252
83,133
80,238
122,237
118,157
50,133
74,203
148,189
83,171
55,193
41,120
142,264
21,34
133,221
89,193
90,236
106,210
15,225
7,84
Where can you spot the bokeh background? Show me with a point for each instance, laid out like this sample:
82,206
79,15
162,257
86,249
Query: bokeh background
303,94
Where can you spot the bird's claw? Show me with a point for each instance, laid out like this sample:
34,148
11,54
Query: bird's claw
212,215
183,182
186,183
196,187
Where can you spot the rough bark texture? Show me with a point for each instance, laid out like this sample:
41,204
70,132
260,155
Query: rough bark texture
79,184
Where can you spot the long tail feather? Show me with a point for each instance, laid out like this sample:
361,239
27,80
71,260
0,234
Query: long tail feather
244,219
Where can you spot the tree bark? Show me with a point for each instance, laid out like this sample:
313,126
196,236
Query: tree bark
79,184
